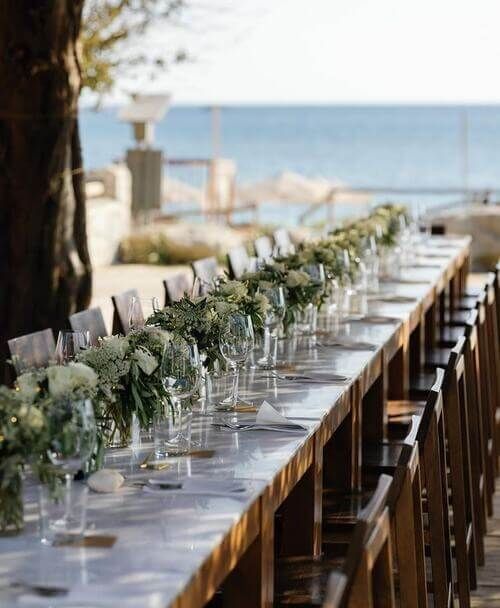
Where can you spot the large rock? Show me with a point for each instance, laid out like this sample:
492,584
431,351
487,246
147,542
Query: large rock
482,222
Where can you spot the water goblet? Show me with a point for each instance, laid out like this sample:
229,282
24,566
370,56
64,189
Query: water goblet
69,344
180,374
139,311
235,344
272,321
72,428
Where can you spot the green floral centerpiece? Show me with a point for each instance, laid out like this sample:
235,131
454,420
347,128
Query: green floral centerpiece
300,289
202,320
25,434
128,381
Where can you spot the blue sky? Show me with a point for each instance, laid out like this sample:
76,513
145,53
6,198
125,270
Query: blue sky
335,51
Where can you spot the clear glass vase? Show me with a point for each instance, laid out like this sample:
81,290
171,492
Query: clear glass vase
11,503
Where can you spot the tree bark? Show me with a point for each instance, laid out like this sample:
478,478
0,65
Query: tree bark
45,272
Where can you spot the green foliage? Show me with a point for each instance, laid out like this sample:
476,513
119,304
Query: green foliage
110,36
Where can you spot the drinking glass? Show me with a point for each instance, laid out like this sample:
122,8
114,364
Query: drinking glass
180,373
235,344
272,322
371,262
71,426
69,344
55,525
346,287
139,311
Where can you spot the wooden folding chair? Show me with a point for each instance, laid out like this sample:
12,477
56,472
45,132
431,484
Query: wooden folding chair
176,287
263,247
90,320
32,350
493,348
121,305
282,240
238,261
206,270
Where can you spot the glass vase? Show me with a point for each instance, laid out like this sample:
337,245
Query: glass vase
11,503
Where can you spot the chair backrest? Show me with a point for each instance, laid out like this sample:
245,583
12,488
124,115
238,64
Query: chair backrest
282,239
32,350
238,261
493,335
90,320
405,507
177,286
460,444
206,269
121,304
263,247
481,469
431,441
367,576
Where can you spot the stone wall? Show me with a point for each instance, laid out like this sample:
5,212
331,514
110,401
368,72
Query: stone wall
109,217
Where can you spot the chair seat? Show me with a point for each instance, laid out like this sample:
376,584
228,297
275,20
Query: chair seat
302,581
403,409
437,357
421,384
450,336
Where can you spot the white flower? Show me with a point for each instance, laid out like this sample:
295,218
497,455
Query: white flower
83,376
60,380
297,278
118,344
145,360
237,289
28,386
223,308
65,380
31,416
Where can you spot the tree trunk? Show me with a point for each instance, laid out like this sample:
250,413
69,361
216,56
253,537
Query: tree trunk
45,270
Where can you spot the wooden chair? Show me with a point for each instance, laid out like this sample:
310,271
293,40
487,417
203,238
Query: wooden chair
481,463
206,270
263,247
431,440
238,261
90,320
282,240
121,304
366,578
491,305
458,434
32,350
304,581
487,393
176,287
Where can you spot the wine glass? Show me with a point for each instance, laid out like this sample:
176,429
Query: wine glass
72,429
180,374
139,311
235,344
69,344
272,321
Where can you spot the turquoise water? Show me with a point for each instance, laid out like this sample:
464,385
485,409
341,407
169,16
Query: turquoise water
396,146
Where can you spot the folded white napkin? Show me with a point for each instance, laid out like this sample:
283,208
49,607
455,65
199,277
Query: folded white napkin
267,414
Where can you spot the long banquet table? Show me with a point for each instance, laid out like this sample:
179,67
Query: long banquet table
176,549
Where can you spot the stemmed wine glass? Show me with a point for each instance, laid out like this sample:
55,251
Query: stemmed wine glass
236,343
72,428
272,321
180,374
139,311
69,344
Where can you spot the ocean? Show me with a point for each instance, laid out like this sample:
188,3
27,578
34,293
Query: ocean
363,146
